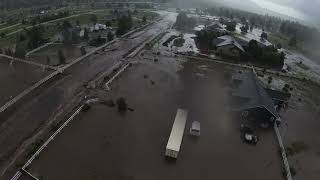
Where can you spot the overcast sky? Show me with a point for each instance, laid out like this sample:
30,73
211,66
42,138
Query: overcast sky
297,8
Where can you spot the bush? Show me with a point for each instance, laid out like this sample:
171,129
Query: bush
178,42
122,104
296,147
86,108
97,42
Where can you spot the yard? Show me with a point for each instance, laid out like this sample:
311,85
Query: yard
105,144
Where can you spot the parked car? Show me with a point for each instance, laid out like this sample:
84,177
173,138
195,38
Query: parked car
195,128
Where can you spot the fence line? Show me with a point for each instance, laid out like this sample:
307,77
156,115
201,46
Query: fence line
220,61
283,153
52,137
38,48
30,174
27,91
28,62
60,70
18,173
117,74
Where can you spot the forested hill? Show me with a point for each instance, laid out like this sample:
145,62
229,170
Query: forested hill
15,4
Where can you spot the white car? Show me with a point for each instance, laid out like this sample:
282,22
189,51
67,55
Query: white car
195,128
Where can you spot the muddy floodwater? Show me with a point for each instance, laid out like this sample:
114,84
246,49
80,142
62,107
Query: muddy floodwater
104,144
49,55
301,125
16,77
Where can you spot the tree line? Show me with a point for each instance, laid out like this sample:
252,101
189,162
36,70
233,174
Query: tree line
293,30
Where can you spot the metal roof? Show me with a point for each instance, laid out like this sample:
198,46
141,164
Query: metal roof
229,40
252,89
177,130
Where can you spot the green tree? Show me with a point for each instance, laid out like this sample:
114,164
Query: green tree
279,46
8,52
144,19
244,28
48,60
264,35
20,51
124,25
86,34
83,50
110,36
293,41
62,59
67,32
183,22
122,104
93,18
35,36
108,23
254,49
231,26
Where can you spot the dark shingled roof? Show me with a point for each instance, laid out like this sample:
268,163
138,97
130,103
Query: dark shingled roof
252,89
278,95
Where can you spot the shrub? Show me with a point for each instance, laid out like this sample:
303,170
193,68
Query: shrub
122,104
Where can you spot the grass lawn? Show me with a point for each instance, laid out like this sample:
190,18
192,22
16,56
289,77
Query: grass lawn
85,19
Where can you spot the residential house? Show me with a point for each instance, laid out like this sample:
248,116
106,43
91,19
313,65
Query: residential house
228,46
251,99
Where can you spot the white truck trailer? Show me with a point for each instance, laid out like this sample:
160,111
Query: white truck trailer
177,131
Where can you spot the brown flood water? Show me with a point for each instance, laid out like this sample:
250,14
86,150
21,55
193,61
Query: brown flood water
102,144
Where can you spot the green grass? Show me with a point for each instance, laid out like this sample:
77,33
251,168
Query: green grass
52,28
276,38
296,147
4,25
12,29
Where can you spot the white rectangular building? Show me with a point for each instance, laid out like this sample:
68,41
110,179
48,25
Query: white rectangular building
177,131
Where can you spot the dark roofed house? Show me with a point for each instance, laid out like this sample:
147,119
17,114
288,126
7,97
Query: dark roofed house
227,46
251,99
216,26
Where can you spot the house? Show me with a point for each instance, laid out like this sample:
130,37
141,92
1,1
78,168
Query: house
244,40
251,99
227,46
216,27
98,27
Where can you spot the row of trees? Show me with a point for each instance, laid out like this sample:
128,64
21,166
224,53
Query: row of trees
205,38
268,56
45,18
273,24
125,23
184,22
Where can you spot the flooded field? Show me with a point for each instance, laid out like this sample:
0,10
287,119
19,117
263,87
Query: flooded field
49,54
300,130
13,78
104,144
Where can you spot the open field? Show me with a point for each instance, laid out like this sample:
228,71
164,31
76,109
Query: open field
103,144
13,78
